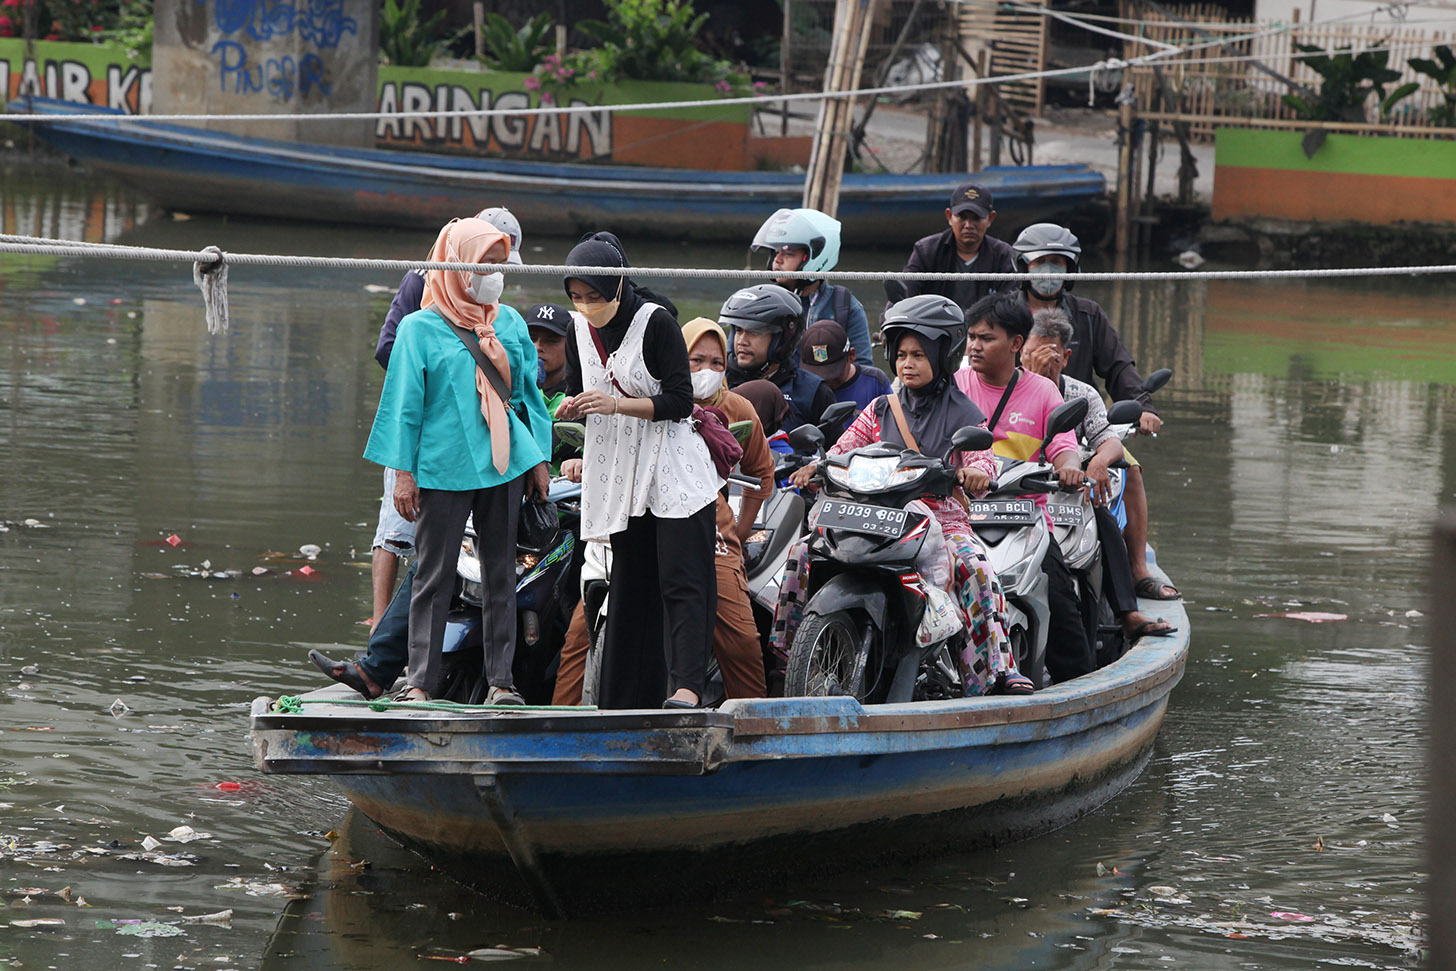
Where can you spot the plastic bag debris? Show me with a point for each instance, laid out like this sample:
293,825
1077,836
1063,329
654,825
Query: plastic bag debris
1390,820
149,928
1311,616
501,953
118,708
173,540
186,834
310,550
150,844
1290,915
38,922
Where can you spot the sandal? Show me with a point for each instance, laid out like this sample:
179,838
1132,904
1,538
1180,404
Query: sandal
403,694
1151,588
1149,628
347,673
1016,684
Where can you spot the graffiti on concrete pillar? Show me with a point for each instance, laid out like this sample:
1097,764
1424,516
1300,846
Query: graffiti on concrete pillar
320,23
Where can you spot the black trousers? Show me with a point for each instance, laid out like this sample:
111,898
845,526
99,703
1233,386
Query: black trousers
1117,581
441,526
1069,651
660,567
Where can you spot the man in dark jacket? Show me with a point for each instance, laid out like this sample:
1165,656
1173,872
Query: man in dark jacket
964,247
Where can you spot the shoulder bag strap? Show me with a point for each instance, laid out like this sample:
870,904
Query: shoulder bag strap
899,413
602,353
1005,397
486,365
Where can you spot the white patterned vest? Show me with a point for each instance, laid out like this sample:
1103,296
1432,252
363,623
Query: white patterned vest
631,465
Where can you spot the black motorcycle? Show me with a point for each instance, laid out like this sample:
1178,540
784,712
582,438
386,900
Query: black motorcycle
872,627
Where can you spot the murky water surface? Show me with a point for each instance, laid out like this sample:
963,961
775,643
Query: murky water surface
1308,445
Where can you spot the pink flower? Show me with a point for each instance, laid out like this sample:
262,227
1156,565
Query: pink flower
723,86
760,85
531,83
547,99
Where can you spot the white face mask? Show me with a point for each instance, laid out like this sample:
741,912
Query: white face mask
706,383
486,288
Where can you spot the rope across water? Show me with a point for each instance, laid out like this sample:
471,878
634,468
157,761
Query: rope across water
210,269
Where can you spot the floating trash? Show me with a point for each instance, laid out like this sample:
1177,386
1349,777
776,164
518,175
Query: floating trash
310,550
149,928
186,834
150,844
38,922
1311,616
500,953
118,708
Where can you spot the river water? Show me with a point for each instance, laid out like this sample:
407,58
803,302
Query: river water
1310,437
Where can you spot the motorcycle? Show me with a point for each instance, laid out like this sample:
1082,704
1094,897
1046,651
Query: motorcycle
1013,531
1074,526
873,628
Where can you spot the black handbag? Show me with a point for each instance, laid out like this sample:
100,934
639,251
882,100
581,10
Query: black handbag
540,526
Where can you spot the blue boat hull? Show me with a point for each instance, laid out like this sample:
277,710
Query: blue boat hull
197,170
581,811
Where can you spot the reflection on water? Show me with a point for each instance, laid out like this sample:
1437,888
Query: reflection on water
1309,440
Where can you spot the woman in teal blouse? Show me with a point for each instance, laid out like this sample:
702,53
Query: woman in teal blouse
461,449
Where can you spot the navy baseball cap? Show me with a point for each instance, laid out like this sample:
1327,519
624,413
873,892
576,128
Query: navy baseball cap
973,197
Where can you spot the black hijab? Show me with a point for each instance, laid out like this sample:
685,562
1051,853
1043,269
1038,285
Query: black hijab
933,412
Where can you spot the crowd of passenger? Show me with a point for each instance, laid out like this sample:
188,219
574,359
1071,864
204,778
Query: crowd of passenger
464,430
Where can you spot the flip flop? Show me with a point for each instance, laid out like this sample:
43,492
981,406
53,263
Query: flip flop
1151,588
1149,628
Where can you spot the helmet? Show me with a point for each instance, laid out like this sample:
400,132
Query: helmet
930,317
809,228
1047,239
503,219
766,307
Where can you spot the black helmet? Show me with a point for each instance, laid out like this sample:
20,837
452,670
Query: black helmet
766,307
1047,239
932,318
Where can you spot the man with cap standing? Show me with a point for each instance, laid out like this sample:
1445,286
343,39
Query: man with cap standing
828,353
964,247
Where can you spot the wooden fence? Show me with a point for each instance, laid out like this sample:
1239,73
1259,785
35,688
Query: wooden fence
1240,94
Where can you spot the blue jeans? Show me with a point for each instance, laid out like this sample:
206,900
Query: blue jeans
389,644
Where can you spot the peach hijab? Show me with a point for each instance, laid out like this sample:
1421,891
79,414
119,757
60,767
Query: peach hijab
469,241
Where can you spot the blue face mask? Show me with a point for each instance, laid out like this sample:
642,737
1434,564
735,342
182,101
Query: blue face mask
540,375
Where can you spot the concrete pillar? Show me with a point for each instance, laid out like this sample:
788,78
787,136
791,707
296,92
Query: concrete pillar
286,57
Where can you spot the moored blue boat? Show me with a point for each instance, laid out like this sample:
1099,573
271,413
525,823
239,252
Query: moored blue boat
197,170
583,810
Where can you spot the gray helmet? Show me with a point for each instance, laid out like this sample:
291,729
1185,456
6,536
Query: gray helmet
766,307
1047,239
930,317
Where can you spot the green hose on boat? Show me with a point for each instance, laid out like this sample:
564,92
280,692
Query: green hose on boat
293,705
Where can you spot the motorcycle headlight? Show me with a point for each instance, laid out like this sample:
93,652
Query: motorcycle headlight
871,473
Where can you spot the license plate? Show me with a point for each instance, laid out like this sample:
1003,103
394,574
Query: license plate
855,517
1002,512
1066,513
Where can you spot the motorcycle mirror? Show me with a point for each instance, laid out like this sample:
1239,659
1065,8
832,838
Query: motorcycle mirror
1157,379
741,430
1124,412
971,438
806,438
571,434
835,416
1064,417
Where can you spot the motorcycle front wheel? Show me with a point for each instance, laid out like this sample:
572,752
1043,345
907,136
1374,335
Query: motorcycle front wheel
830,657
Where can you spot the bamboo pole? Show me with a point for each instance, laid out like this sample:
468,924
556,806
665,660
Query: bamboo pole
980,111
785,64
852,22
1124,174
